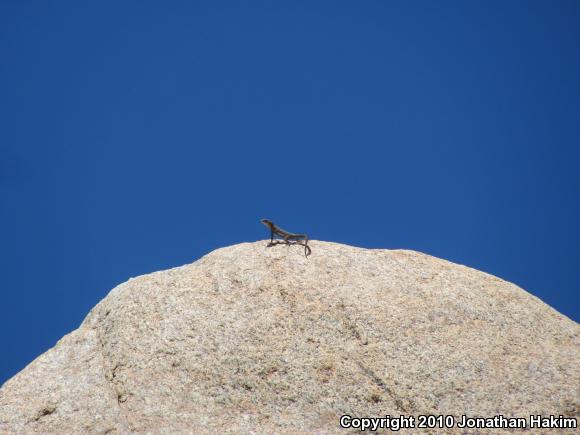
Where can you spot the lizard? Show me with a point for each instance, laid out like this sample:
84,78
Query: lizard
286,235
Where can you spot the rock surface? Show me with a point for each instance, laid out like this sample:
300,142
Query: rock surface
261,339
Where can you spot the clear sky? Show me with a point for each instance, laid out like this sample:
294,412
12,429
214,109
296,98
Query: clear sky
138,136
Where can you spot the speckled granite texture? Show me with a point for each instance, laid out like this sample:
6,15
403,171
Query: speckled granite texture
264,340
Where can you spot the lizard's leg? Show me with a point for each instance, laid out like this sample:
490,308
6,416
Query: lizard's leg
299,237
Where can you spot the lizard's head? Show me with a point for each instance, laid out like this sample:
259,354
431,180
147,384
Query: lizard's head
267,222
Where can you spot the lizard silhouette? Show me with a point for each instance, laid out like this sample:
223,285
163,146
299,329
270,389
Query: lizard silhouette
286,235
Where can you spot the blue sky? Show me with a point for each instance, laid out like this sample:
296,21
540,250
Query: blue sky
138,136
